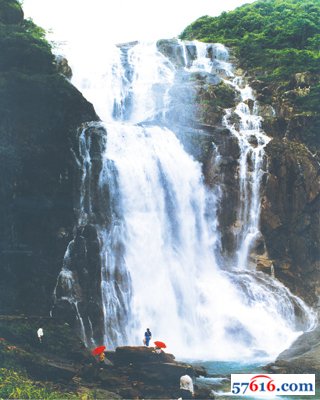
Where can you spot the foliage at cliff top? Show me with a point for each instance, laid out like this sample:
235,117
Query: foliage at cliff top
277,42
22,44
279,37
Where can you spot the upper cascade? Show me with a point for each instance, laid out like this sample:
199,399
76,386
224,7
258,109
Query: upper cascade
157,222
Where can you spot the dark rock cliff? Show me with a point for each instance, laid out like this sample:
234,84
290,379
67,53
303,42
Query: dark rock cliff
290,215
40,112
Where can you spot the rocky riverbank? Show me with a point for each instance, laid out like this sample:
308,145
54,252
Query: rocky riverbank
64,364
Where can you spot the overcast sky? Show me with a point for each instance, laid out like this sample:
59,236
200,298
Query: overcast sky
119,21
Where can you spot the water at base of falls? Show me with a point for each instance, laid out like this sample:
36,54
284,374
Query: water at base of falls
161,252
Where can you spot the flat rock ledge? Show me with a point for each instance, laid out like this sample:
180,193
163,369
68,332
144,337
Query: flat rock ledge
139,372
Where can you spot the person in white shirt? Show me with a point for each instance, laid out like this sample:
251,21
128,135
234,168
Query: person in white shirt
40,334
186,387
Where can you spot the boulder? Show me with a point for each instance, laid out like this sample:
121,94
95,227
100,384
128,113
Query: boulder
303,356
63,67
138,355
173,50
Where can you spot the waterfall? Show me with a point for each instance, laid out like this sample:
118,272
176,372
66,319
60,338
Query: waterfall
68,290
161,247
251,141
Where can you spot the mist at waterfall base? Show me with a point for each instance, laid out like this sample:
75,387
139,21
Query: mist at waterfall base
170,274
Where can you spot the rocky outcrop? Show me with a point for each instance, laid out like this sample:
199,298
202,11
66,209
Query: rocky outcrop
10,12
139,372
290,217
174,52
62,361
303,357
83,298
290,207
220,166
40,112
63,67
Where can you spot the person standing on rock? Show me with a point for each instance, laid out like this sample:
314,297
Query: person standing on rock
40,334
147,336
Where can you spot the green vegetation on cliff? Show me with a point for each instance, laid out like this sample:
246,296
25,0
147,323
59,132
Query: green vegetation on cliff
278,36
16,385
30,370
278,43
22,47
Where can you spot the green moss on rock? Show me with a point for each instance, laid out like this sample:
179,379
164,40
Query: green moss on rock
24,48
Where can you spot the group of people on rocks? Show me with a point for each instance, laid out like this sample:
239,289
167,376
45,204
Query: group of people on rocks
186,383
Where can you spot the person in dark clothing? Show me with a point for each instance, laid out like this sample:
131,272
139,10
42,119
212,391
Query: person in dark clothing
147,336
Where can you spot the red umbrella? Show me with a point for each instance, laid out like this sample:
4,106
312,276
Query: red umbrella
160,344
98,350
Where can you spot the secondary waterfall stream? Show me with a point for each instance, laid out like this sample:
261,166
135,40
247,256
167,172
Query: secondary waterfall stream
162,265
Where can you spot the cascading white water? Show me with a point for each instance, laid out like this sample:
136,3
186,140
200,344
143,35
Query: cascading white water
67,289
252,141
160,252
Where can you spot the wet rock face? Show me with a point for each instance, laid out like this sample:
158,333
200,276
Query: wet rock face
223,173
40,112
85,301
290,216
78,289
38,188
290,193
172,49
